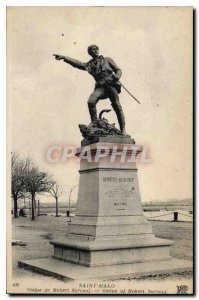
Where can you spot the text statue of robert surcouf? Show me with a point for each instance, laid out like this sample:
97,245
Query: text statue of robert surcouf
106,74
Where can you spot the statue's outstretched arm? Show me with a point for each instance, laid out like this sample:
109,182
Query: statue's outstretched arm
73,62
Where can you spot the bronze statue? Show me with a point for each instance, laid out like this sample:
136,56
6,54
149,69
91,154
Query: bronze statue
106,74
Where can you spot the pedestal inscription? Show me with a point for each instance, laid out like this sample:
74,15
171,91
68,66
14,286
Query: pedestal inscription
119,193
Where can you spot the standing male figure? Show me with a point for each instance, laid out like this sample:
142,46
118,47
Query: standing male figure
106,74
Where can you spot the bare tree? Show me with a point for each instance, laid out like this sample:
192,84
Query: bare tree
18,171
36,182
56,192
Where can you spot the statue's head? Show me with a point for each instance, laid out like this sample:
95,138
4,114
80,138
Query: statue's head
93,51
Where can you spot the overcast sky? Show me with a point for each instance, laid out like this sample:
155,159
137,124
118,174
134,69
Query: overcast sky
47,99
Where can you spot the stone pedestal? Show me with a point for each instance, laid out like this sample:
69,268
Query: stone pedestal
109,227
109,238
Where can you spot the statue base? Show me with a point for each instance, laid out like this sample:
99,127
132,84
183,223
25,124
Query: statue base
115,139
100,128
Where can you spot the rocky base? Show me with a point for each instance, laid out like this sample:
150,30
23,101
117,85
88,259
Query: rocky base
100,127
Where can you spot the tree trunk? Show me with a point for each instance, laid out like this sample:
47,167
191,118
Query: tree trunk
56,206
33,206
38,207
15,207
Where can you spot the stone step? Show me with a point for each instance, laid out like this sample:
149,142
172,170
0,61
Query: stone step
69,271
112,251
104,230
111,243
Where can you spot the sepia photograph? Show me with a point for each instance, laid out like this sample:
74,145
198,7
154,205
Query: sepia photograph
100,150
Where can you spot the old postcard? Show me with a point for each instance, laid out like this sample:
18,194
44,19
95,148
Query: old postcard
99,162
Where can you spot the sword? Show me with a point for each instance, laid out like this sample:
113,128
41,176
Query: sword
128,92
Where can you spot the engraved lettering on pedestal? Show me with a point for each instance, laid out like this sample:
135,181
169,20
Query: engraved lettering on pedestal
118,188
119,205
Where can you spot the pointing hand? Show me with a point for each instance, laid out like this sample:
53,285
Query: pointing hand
58,57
